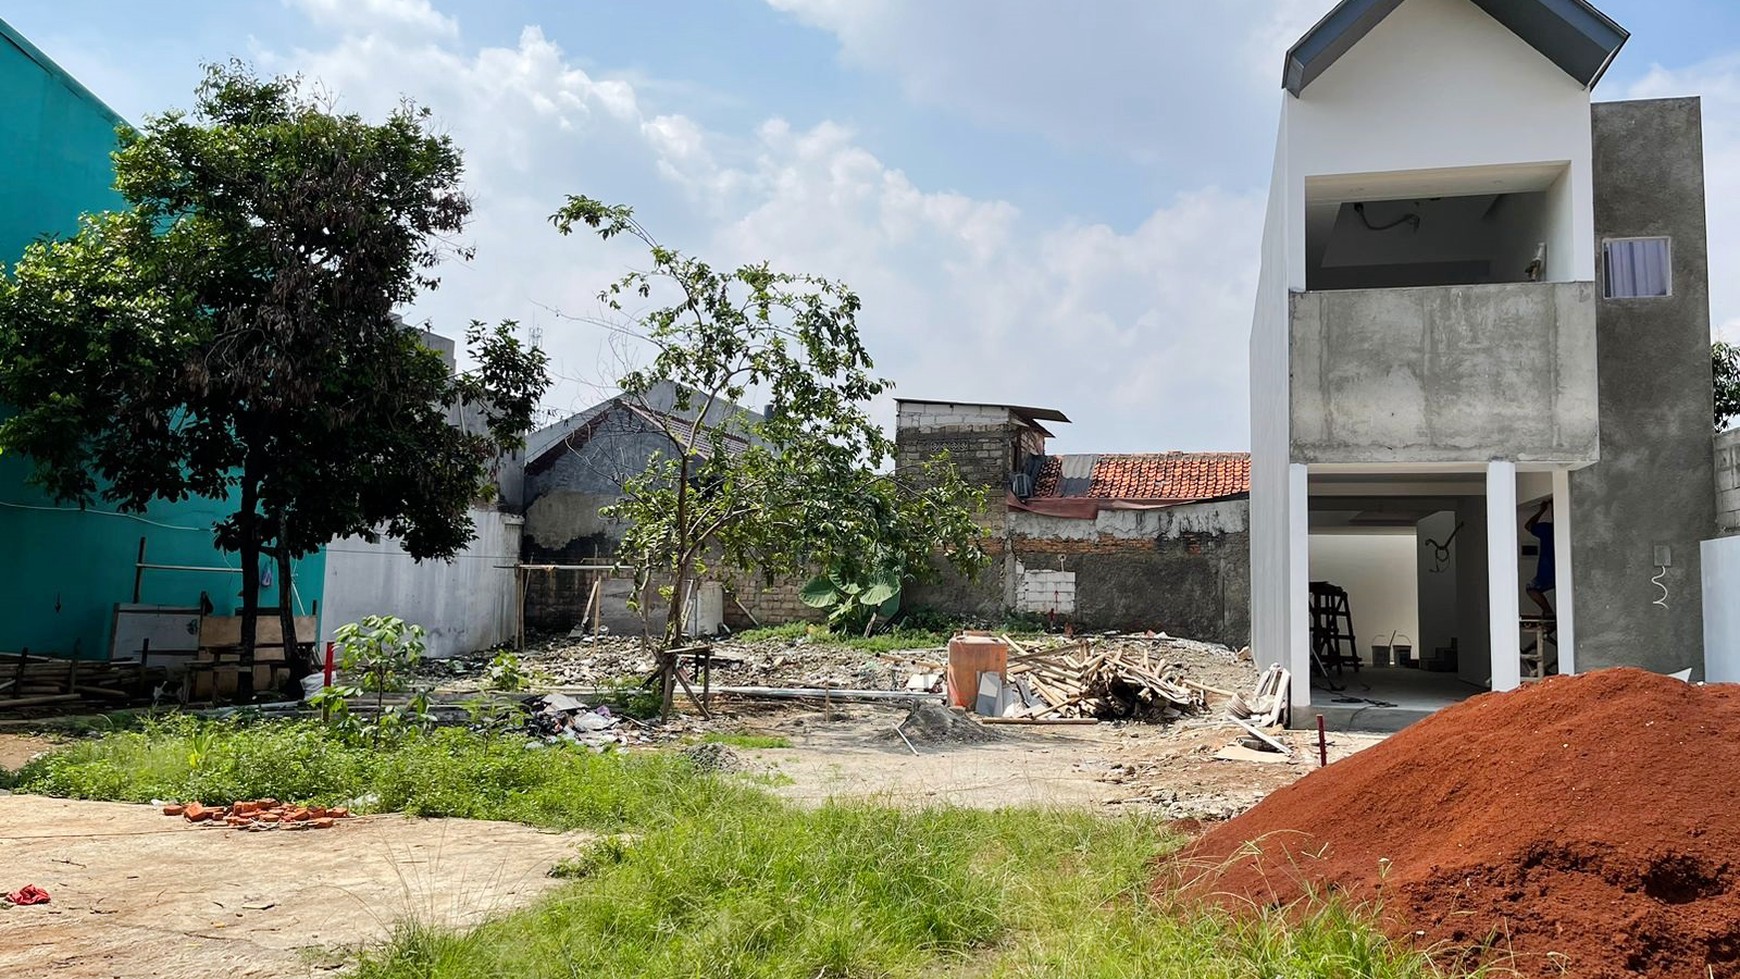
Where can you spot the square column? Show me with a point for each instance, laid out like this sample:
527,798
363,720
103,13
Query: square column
1504,588
1299,583
1562,597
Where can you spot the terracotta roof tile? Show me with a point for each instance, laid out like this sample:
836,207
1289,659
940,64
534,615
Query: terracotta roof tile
1172,477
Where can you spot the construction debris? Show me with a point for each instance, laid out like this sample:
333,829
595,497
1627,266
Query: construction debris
1087,678
258,814
560,717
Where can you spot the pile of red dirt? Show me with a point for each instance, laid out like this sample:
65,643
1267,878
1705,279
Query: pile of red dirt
1583,826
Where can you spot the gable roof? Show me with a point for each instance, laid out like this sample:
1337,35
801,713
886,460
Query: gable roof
1144,477
1572,34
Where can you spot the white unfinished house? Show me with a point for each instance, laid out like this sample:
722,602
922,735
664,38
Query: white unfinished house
1480,293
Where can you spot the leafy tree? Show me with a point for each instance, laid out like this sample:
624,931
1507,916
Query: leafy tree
1727,376
808,485
233,331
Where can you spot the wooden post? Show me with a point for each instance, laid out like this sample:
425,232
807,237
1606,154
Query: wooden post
139,571
597,602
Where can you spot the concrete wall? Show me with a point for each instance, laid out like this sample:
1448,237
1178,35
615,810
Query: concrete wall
565,490
465,605
982,443
1380,573
1652,487
1445,374
1439,85
1184,570
1728,483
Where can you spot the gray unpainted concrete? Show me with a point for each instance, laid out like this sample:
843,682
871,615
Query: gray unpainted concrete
1653,484
1728,483
1445,374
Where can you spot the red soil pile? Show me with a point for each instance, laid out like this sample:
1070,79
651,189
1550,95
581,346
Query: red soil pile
1583,826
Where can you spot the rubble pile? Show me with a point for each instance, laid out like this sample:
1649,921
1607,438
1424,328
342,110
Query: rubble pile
1111,681
1583,825
558,717
258,814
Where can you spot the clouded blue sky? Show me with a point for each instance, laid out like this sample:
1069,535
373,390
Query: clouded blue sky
1041,202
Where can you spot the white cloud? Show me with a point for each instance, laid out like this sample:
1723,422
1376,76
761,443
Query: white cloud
416,16
1717,82
1172,83
1139,335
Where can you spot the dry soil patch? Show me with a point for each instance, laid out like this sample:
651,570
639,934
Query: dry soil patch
137,894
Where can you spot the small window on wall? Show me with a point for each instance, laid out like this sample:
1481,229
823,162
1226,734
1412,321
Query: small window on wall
1638,268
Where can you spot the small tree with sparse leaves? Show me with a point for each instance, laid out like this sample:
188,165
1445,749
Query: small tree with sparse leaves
806,486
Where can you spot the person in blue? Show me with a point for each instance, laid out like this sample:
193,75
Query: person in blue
1541,525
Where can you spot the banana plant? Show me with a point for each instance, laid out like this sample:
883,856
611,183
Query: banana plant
854,605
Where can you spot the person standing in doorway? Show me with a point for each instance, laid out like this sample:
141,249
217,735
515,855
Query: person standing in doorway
1541,525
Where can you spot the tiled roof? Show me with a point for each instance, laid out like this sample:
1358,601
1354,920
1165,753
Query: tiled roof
1173,477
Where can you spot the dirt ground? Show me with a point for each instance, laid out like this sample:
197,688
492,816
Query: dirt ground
854,752
136,894
16,749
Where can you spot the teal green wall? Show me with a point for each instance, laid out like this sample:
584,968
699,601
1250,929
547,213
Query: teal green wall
61,570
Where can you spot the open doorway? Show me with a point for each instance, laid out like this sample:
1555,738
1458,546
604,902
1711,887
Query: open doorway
1411,570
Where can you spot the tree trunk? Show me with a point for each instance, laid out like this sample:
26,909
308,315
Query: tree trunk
248,524
286,594
679,589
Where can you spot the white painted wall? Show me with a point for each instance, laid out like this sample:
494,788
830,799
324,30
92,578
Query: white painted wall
1439,85
465,605
1436,580
1721,563
1270,434
1380,572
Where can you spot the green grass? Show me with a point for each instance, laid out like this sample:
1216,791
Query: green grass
887,642
703,875
864,890
450,772
747,741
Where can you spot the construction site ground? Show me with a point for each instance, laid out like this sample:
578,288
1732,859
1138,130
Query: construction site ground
139,894
136,894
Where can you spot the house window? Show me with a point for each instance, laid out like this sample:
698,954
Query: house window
1638,268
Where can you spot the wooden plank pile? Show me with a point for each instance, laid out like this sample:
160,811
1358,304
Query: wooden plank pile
1084,678
28,680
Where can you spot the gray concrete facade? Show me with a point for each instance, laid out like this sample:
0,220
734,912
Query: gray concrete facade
1445,374
1652,488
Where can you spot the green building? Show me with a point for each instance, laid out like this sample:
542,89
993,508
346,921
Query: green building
63,570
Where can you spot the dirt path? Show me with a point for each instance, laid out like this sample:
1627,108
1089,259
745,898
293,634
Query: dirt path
137,894
16,749
853,752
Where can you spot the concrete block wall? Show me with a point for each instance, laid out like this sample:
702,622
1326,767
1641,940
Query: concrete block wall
1046,591
1728,483
770,604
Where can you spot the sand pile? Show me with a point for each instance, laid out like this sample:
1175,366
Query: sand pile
1585,826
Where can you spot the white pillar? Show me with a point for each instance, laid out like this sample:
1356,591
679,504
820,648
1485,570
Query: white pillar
1503,587
1299,584
1562,597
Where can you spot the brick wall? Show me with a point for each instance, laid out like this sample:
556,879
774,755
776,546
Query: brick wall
1728,483
770,604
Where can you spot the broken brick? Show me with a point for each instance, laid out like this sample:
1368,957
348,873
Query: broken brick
324,822
173,809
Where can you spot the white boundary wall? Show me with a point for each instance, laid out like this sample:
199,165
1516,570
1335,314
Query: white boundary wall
465,605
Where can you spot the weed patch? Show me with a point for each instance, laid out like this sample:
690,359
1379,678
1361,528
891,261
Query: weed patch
448,772
746,741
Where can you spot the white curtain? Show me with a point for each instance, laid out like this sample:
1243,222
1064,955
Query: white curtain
1637,267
